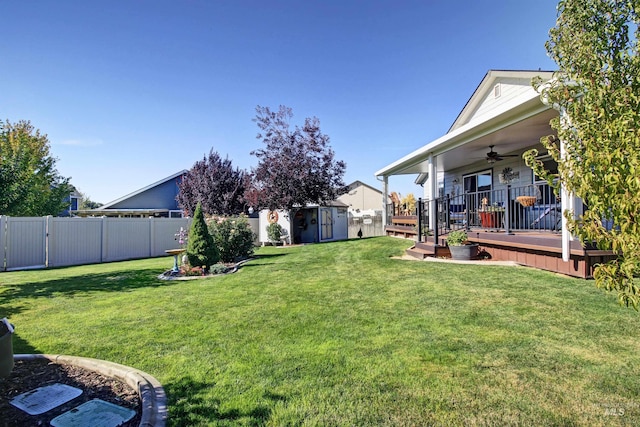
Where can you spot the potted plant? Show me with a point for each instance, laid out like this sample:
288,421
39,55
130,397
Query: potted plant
6,348
490,216
274,233
460,247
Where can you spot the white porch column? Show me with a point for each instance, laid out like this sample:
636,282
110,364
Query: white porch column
385,193
432,184
567,201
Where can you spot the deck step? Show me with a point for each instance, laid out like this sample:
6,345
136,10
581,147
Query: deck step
420,253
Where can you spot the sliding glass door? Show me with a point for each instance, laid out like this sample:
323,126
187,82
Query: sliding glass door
476,187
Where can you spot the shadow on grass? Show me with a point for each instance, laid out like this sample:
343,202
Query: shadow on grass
21,346
267,256
112,281
255,261
189,405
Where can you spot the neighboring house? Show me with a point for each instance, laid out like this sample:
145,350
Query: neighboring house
475,178
74,199
311,224
365,209
362,197
155,200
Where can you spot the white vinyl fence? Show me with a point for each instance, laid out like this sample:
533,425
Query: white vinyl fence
365,225
41,242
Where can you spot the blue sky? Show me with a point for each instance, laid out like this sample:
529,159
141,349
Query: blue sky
130,92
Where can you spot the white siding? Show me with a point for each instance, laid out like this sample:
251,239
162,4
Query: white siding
510,89
362,198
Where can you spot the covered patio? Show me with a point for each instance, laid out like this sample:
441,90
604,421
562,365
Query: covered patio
474,178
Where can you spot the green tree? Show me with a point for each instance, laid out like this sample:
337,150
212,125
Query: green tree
29,182
201,249
409,203
597,91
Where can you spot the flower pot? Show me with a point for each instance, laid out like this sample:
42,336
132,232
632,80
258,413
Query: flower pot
6,349
464,252
491,219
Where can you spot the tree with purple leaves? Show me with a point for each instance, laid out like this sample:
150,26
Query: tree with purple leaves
296,166
215,184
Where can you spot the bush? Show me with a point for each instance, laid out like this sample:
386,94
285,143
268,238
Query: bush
201,249
233,238
219,269
274,232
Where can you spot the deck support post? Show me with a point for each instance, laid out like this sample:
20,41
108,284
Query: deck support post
433,191
507,211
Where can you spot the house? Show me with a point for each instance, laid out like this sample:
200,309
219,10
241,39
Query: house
74,199
362,197
311,224
474,178
365,209
154,200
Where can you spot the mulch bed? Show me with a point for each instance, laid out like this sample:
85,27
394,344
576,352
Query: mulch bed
31,374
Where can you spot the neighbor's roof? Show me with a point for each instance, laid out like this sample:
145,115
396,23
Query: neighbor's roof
142,190
356,184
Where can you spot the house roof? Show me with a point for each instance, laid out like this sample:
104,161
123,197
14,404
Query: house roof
142,190
356,184
519,112
330,204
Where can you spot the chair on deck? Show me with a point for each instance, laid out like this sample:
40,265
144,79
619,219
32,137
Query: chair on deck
555,215
457,214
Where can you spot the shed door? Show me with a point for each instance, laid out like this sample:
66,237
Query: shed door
326,224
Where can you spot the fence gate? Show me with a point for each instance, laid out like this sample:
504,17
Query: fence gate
23,242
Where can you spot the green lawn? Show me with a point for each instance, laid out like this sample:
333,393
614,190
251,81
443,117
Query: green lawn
342,334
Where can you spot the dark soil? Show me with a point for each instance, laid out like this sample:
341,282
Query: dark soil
31,374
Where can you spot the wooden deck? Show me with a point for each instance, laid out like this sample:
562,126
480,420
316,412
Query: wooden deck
536,249
403,226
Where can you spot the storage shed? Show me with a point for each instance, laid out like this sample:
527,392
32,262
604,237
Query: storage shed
310,224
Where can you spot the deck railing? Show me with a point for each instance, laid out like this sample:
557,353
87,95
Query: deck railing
513,208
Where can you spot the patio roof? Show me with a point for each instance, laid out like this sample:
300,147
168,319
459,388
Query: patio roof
512,126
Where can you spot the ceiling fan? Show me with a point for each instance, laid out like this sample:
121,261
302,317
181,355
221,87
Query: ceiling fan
493,156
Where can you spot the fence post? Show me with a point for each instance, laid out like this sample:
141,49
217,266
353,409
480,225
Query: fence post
152,235
3,242
103,252
48,231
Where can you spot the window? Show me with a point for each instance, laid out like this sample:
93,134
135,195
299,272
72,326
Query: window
74,203
480,181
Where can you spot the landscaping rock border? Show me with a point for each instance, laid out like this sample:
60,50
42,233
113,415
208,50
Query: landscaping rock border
152,396
170,275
